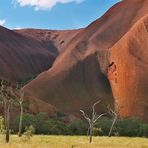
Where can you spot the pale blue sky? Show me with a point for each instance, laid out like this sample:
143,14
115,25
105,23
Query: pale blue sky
65,14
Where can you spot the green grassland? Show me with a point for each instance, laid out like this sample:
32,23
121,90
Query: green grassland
73,142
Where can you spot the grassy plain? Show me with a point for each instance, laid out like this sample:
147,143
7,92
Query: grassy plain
73,142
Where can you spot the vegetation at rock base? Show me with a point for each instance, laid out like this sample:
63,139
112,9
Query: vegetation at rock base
43,124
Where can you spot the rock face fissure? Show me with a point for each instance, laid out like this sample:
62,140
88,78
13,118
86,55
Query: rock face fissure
112,72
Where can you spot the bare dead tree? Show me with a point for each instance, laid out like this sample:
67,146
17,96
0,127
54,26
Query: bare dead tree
92,120
8,124
21,113
114,114
18,96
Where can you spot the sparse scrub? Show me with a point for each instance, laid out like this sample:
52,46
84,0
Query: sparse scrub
29,131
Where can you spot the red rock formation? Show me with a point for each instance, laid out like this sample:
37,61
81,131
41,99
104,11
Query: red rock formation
130,55
53,40
78,76
25,53
112,47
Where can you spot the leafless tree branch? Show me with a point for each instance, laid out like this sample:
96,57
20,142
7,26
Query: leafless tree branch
92,120
114,114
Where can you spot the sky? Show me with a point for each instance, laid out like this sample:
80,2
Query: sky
52,14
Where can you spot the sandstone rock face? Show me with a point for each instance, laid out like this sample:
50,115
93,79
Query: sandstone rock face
80,74
129,69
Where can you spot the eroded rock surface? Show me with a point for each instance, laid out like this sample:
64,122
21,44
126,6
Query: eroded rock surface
129,79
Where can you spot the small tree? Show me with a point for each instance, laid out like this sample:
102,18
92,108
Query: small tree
18,97
6,92
92,120
9,97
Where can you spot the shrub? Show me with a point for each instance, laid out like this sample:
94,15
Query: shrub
123,127
52,127
29,131
105,125
144,130
41,123
58,128
78,127
128,127
27,121
97,131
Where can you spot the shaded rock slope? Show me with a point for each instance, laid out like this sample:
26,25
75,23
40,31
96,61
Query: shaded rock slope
23,56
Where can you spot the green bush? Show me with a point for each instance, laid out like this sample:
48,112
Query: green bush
41,123
128,127
27,121
78,127
104,124
144,130
58,128
131,127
